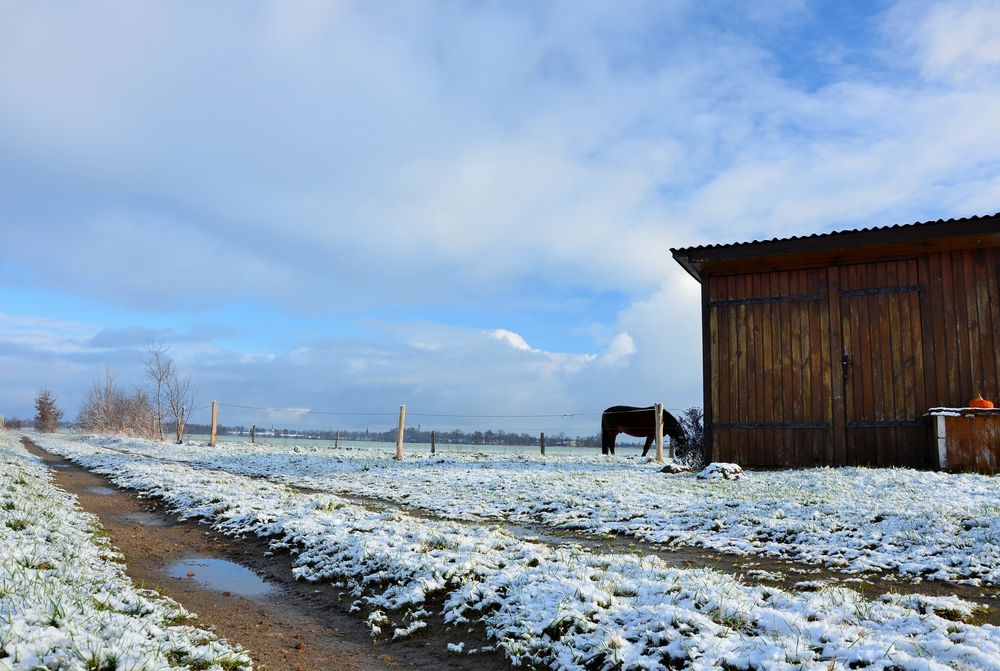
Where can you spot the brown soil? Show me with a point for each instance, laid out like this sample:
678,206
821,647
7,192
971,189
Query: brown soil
298,625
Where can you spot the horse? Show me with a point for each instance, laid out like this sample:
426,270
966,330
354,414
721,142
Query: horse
639,422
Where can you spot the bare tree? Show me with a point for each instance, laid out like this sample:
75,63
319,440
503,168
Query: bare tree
181,394
159,369
47,419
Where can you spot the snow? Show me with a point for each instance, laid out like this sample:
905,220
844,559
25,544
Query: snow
917,524
725,471
65,601
560,607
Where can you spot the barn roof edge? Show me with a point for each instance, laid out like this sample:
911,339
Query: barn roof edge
691,258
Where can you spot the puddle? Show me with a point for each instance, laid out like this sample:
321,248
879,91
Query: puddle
147,519
61,465
220,575
102,491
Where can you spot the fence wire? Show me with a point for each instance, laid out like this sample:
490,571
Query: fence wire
562,430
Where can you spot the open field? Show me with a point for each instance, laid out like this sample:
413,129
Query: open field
565,606
917,524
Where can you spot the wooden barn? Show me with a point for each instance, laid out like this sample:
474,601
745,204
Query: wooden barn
830,349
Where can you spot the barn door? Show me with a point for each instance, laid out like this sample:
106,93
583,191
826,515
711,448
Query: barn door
882,364
770,351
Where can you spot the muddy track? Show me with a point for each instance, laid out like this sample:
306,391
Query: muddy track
295,625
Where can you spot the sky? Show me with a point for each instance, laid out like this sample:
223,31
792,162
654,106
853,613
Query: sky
467,207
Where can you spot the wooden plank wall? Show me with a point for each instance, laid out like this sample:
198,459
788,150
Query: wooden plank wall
769,392
775,395
884,393
961,326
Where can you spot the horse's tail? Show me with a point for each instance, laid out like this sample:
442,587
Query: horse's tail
607,440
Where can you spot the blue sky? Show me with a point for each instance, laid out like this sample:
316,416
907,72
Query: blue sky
464,206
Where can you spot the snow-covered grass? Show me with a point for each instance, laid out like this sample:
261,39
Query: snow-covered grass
922,525
65,601
553,607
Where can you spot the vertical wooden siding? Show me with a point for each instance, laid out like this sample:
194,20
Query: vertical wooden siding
884,394
962,326
919,333
769,358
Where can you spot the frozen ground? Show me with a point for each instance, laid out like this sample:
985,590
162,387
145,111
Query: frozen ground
921,525
65,602
563,607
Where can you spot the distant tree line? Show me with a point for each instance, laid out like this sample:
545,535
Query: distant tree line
410,435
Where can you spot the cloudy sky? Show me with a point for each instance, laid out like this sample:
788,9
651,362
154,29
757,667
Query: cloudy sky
464,206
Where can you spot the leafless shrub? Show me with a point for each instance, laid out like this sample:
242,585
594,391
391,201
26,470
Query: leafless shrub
102,409
693,422
140,418
110,409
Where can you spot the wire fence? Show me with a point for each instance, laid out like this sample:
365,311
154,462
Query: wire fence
559,432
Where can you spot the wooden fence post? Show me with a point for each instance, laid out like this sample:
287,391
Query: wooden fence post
541,443
658,410
215,423
432,441
253,434
399,436
336,441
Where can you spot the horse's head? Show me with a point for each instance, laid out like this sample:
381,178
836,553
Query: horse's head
672,427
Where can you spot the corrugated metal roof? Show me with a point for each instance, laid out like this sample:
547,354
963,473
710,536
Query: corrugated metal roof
832,234
983,227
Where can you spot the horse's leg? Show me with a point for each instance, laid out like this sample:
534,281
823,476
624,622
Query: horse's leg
645,448
606,439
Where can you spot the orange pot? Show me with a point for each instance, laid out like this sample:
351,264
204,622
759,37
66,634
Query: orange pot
980,402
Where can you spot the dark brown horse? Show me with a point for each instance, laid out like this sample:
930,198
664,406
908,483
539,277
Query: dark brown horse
639,422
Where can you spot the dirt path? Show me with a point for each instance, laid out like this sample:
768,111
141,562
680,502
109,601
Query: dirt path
295,625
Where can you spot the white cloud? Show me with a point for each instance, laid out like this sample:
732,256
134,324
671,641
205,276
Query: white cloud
58,336
952,42
512,339
334,158
619,350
